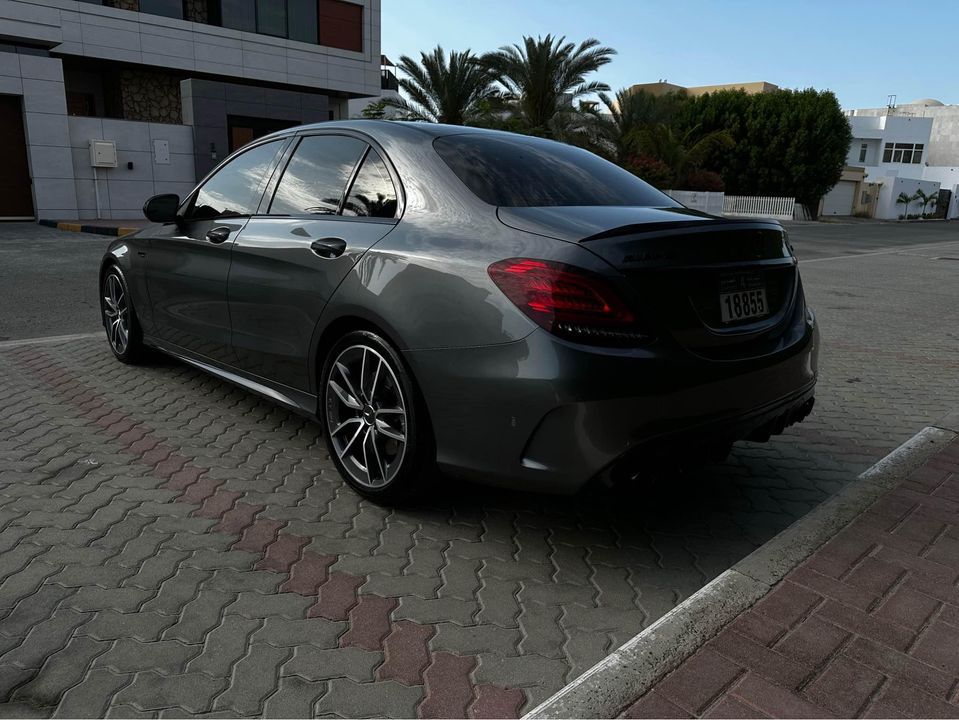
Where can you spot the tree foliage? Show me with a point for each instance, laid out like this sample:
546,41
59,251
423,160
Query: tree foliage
629,113
784,143
681,152
454,91
375,110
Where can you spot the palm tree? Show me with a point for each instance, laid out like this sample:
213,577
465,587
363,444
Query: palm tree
456,91
906,199
925,199
681,152
629,113
544,77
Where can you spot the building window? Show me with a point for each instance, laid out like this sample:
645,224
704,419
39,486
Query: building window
271,17
862,152
301,16
245,129
236,14
82,104
341,25
166,8
334,23
905,153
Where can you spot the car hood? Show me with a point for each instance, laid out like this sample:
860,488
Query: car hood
579,224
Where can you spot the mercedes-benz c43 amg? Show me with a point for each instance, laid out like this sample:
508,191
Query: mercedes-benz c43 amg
502,308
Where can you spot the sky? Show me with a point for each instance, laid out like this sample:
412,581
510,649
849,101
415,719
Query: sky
862,51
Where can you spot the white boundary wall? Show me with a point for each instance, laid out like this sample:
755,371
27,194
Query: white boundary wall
778,208
708,202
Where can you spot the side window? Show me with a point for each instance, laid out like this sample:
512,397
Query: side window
372,193
235,189
316,178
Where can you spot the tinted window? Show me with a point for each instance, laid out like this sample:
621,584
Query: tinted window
271,17
372,193
316,178
529,172
302,20
238,14
167,8
235,189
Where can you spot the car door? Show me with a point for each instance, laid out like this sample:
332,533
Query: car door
188,262
335,199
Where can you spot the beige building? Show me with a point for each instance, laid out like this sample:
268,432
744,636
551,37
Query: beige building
662,88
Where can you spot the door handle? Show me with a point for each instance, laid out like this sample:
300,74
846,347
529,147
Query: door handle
329,247
218,235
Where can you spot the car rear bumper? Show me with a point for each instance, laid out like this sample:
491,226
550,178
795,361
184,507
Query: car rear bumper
545,415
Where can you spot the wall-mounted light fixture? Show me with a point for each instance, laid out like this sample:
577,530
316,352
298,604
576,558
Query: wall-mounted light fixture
213,155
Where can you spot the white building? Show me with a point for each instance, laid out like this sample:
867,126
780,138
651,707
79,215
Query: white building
944,140
888,156
172,86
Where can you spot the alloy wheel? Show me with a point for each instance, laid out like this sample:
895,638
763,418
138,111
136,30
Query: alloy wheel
366,416
116,314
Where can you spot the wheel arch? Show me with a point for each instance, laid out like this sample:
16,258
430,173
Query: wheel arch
345,322
328,332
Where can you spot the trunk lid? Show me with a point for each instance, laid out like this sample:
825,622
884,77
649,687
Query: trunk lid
679,266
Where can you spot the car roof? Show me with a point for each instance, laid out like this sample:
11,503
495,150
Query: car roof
393,129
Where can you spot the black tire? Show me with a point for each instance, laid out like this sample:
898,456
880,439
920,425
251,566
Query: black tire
396,474
133,350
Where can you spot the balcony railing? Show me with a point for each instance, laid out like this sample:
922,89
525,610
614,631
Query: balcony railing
388,81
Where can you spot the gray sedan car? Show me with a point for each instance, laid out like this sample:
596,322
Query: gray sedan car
501,308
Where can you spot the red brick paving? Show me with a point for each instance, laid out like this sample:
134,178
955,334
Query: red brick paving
449,689
259,535
493,701
407,652
369,623
868,626
307,574
337,597
281,554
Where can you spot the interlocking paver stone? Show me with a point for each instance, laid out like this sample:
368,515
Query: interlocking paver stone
175,506
193,692
251,683
224,646
60,672
316,664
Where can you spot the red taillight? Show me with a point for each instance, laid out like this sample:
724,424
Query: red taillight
564,300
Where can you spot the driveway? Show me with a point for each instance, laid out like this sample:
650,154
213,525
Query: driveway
173,545
48,281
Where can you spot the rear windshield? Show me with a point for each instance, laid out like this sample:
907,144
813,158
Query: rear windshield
531,172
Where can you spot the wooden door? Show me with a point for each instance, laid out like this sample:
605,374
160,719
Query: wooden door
16,196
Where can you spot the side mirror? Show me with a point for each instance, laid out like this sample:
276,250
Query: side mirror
162,208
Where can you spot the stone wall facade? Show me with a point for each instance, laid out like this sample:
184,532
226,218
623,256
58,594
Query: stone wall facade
196,11
150,96
124,4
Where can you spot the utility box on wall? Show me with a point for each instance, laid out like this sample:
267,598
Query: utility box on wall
161,152
103,154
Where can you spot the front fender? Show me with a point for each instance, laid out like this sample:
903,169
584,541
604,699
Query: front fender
129,253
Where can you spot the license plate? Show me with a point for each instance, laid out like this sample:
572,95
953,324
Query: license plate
743,304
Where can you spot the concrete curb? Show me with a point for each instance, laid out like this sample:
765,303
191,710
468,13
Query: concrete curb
611,685
96,229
